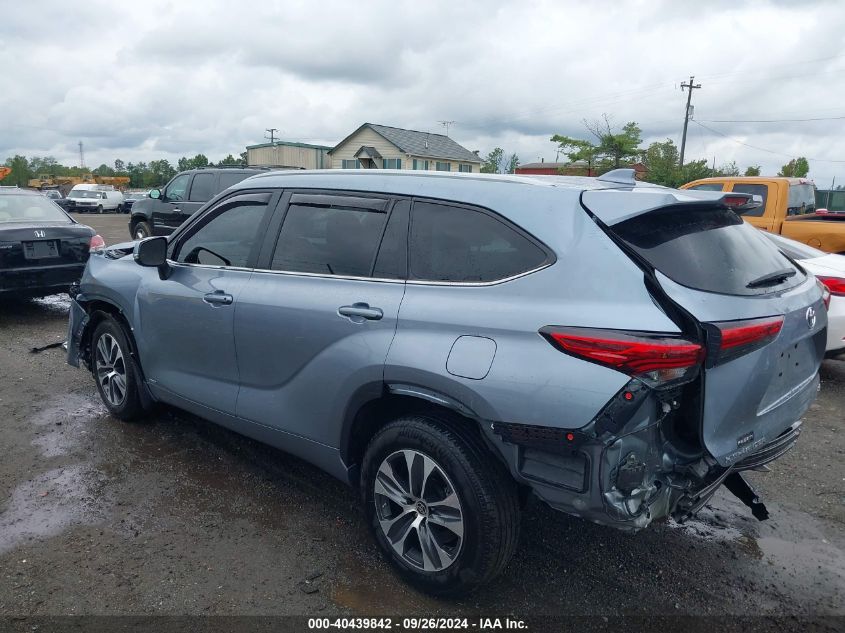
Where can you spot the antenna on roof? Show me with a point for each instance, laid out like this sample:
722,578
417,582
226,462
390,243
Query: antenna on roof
447,125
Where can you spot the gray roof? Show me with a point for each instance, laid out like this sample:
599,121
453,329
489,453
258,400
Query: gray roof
371,152
423,144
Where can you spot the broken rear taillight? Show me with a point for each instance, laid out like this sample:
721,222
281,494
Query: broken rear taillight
737,338
656,358
96,244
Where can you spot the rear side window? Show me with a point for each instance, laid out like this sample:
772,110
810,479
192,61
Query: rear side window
710,186
329,237
802,199
229,179
754,190
709,248
202,189
458,244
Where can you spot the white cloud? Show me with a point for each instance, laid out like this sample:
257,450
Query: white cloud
166,79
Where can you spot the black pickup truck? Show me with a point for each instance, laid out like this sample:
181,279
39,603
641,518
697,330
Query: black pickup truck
165,209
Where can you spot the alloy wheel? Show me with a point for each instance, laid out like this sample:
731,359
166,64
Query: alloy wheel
111,370
418,510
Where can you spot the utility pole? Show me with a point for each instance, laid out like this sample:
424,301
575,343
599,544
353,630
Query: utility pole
81,155
690,86
447,125
272,131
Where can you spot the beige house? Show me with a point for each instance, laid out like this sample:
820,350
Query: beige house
374,146
288,155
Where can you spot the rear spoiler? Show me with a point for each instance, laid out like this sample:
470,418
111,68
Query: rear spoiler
612,206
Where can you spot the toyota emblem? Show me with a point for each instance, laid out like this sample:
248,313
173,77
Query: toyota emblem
811,317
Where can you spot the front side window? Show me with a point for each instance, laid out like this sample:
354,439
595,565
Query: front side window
443,166
754,190
202,189
709,186
327,238
457,244
178,188
228,238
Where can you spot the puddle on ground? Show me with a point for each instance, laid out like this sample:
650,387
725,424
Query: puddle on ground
50,503
64,423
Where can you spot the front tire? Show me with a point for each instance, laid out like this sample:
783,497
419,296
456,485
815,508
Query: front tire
142,230
444,511
115,370
99,208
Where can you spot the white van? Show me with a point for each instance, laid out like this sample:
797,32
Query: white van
87,198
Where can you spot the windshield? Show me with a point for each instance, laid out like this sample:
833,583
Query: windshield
85,194
14,208
802,199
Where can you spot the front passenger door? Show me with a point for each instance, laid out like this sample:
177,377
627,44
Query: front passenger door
167,211
185,333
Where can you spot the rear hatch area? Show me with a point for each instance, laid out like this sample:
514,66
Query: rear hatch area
759,315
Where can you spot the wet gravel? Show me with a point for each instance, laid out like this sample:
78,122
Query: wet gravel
173,515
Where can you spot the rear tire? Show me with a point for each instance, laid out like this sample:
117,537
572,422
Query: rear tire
426,481
119,209
115,371
142,230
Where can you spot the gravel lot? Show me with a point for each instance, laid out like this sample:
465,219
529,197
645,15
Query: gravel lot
176,516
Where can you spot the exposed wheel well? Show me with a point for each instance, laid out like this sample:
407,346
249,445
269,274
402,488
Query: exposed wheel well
375,414
97,311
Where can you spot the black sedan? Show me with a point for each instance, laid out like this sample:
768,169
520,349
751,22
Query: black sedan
56,196
42,249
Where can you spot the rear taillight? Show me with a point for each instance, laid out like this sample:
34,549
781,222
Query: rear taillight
96,244
834,285
655,358
737,338
735,201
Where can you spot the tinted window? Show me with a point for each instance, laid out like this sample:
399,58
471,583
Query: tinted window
202,189
710,186
451,243
228,179
708,249
754,190
392,258
333,240
228,238
178,187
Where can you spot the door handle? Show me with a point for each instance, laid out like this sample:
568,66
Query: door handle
358,312
177,210
218,297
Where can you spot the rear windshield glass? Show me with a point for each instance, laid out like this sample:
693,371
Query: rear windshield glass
802,199
709,249
30,209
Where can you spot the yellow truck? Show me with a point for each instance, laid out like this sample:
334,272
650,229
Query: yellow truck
789,208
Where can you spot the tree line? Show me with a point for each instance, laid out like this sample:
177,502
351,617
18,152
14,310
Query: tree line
605,147
142,175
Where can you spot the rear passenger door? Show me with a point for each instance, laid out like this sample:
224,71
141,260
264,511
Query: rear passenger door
316,319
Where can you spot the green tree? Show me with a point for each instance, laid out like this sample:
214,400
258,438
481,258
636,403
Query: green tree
229,161
616,146
492,164
513,163
694,170
752,170
661,161
119,166
795,168
103,170
20,174
727,169
578,150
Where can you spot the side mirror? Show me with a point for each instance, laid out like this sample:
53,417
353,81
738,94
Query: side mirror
155,194
152,252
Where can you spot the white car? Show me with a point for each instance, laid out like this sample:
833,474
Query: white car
830,270
88,198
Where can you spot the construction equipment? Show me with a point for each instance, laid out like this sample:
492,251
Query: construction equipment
5,171
51,181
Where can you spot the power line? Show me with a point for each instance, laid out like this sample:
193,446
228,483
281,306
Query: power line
763,149
272,131
824,118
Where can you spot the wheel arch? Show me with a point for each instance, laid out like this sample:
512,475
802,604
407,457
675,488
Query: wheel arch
374,406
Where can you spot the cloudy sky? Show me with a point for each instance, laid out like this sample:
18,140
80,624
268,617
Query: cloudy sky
158,79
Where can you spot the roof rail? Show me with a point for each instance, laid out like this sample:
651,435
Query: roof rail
622,176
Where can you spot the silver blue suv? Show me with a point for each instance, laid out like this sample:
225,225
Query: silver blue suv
451,344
